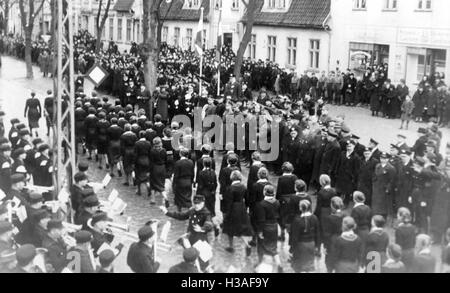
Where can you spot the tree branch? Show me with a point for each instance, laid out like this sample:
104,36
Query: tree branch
23,15
37,10
105,16
99,13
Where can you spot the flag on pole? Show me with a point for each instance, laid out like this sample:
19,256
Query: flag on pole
199,37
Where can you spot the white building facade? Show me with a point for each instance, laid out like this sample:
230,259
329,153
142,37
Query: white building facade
411,36
292,33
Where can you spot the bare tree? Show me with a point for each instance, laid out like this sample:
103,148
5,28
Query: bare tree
27,19
250,7
152,29
6,6
100,22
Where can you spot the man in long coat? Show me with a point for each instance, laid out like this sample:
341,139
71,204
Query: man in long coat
383,180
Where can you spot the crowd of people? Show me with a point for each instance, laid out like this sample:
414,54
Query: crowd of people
334,196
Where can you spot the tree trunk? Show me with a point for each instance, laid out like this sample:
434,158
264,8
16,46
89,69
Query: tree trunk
6,16
98,43
151,45
251,8
28,61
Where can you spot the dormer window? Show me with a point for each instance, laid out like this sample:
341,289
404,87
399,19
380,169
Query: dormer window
276,5
192,4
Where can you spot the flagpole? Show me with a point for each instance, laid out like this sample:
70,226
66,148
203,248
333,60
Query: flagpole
219,51
201,57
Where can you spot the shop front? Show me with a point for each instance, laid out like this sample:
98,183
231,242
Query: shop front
425,61
363,56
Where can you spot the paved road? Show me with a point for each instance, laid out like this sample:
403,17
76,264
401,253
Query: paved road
14,90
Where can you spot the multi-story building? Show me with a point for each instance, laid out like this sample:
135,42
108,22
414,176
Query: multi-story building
411,36
123,24
292,33
42,23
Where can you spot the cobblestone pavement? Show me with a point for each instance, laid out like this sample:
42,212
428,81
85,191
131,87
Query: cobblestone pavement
15,89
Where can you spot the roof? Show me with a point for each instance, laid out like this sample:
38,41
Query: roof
177,12
301,14
123,5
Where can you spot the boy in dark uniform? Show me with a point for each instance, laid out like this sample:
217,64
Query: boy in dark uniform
13,135
44,168
5,168
200,222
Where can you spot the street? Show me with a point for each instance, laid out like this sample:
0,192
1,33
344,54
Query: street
15,89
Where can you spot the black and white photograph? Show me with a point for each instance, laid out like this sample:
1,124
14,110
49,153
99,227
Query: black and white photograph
225,137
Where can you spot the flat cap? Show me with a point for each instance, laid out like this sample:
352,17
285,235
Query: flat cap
40,215
91,201
37,141
35,197
17,152
15,178
83,236
332,134
15,121
384,155
23,132
100,217
145,233
190,254
106,257
4,140
80,177
43,147
25,254
54,224
374,141
5,227
419,161
199,198
21,126
5,147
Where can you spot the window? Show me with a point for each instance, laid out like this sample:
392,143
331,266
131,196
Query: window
191,4
276,5
390,5
252,47
85,22
235,4
272,4
314,53
292,51
119,29
188,38
359,4
176,37
129,24
424,5
282,4
111,28
218,4
272,48
165,34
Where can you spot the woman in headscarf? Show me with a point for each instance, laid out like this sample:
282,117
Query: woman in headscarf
158,160
304,239
236,221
